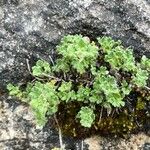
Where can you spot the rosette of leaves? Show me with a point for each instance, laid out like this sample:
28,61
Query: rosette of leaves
78,52
120,58
126,88
14,90
65,93
43,100
83,94
86,116
140,77
107,85
42,68
107,43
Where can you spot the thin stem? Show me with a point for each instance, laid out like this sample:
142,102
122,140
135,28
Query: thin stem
82,145
147,87
60,134
52,77
112,113
100,116
117,110
65,76
51,60
28,66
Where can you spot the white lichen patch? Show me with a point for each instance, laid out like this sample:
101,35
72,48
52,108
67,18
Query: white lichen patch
83,3
34,24
4,61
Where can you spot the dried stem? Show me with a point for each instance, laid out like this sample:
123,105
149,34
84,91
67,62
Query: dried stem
60,134
100,116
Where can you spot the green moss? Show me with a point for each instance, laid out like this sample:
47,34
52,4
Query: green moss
140,104
130,119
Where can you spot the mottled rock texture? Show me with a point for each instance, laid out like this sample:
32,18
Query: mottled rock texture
18,130
135,142
30,29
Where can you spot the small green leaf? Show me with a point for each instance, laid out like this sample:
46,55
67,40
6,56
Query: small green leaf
41,68
65,93
125,88
107,43
14,90
145,63
140,78
86,116
96,97
83,94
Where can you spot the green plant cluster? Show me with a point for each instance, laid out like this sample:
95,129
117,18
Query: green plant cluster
87,73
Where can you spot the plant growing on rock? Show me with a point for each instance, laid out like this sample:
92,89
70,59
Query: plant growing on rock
93,75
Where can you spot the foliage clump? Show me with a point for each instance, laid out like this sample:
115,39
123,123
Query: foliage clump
95,75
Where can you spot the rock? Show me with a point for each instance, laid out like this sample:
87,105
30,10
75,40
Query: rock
30,29
18,130
135,142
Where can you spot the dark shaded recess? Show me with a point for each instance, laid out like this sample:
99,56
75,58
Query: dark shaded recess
146,146
86,29
55,7
148,1
18,74
29,44
91,32
5,74
147,122
71,142
133,101
9,27
13,27
18,144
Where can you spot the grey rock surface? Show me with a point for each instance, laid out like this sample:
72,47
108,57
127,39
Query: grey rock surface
18,130
139,141
30,29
